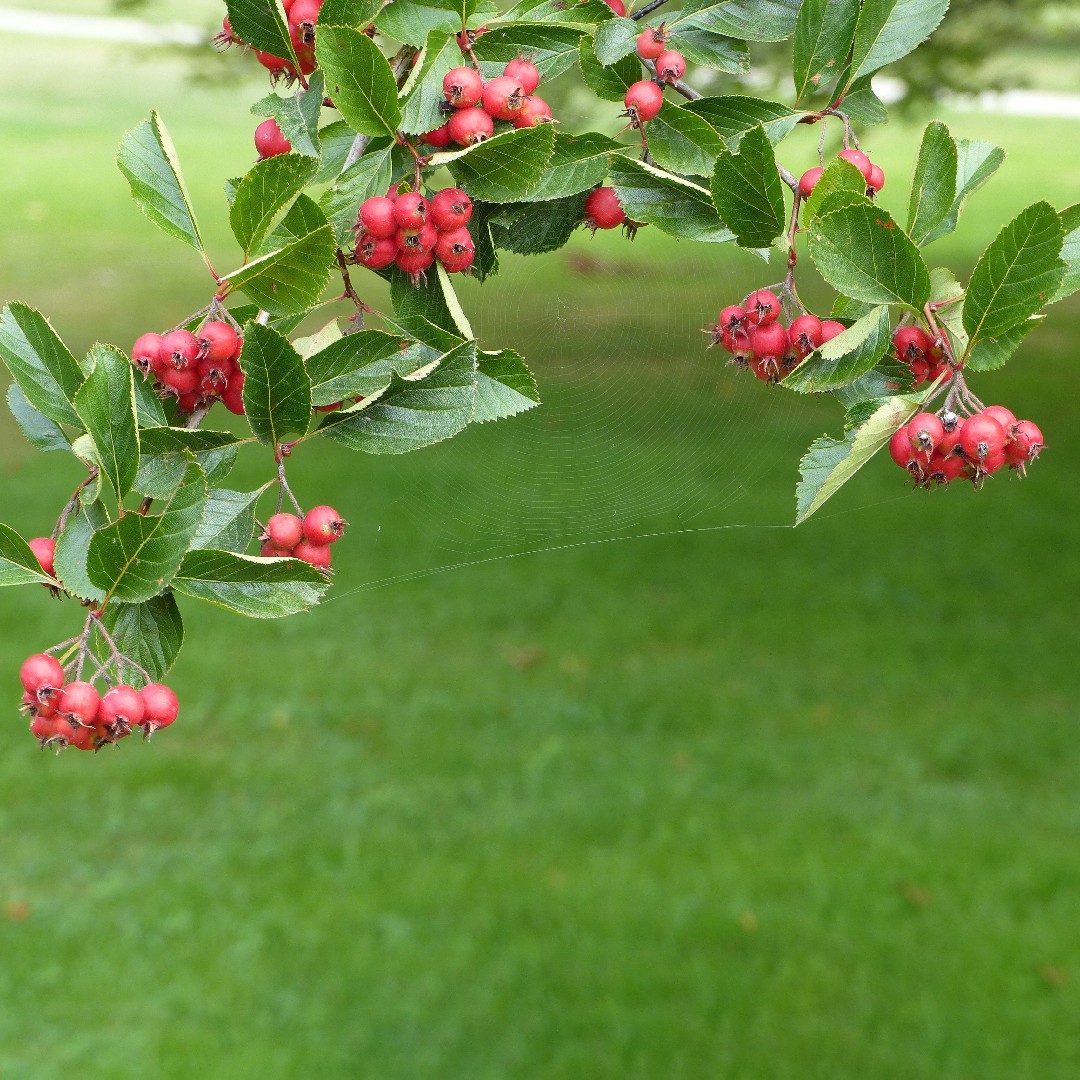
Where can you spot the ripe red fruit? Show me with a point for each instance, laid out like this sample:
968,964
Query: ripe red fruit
876,179
603,210
617,6
943,469
410,210
87,738
323,525
303,15
859,160
146,351
160,707
438,137
269,140
181,380
44,549
122,708
79,702
414,263
271,551
449,209
374,253
643,101
284,530
808,180
315,554
453,244
830,328
462,87
41,675
769,339
733,320
926,431
217,340
276,65
470,126
762,307
503,97
232,396
982,438
670,66
1002,415
214,375
526,73
377,217
52,731
458,263
902,452
534,110
911,343
422,239
652,42
805,334
35,707
179,348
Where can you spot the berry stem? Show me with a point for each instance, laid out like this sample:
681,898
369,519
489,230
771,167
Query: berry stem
678,86
648,9
356,321
73,502
283,483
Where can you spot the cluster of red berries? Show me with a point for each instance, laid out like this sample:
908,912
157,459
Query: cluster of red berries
413,232
872,174
922,353
308,538
477,105
302,15
197,369
66,713
755,337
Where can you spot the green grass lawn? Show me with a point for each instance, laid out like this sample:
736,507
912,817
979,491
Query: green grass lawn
731,800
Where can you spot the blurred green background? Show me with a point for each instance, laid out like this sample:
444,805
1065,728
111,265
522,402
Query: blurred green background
720,799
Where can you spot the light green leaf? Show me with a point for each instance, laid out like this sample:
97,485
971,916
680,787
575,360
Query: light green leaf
748,192
277,393
261,25
685,143
298,115
609,83
18,565
1070,252
228,520
845,358
359,80
43,433
933,187
991,353
754,20
578,163
504,386
839,176
106,404
732,116
533,228
976,162
264,195
614,39
551,47
889,29
422,95
371,175
349,12
716,51
48,375
361,363
167,451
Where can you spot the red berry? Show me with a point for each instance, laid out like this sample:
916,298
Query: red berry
769,339
87,738
52,731
79,702
181,380
603,210
911,343
232,397
44,549
830,328
526,73
1026,443
948,445
462,87
438,137
805,334
374,253
422,239
459,263
733,320
315,554
41,675
762,307
449,209
410,210
1002,415
269,140
470,126
652,42
903,453
926,431
284,531
670,66
943,469
377,217
503,97
981,438
146,352
859,160
808,180
876,179
217,340
35,707
453,244
122,708
323,525
276,65
160,707
617,6
534,110
414,263
643,101
179,348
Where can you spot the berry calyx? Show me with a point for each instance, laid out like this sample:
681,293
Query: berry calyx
122,709
453,244
323,525
179,348
503,97
468,127
42,676
670,66
463,87
603,210
804,333
652,42
762,307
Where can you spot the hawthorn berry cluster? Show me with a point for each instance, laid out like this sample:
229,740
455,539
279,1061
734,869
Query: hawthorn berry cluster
923,354
196,368
288,536
301,15
71,712
935,448
412,232
872,174
755,337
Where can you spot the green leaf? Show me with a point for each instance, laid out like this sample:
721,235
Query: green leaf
258,588
1070,252
167,451
862,105
228,522
976,162
1016,275
609,83
370,176
298,115
861,252
614,39
277,393
845,358
48,375
40,431
754,20
581,13
148,160
359,79
412,412
336,141
824,32
148,407
890,29
831,463
72,546
991,353
504,386
106,404
361,363
135,558
717,51
422,95
578,163
552,48
534,228
933,187
18,565
734,115
945,286
265,193
413,22
151,634
748,192
349,12
682,142
839,176
675,206
504,168
261,25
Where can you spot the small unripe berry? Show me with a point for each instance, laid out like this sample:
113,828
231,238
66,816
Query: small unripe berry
670,66
526,73
270,141
449,209
603,210
808,180
470,126
859,160
323,525
463,87
643,101
284,530
762,307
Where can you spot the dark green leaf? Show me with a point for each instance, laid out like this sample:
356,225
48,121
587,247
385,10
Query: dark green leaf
824,32
412,22
148,160
609,83
845,358
148,406
534,228
106,404
361,363
504,386
298,115
261,25
336,141
614,39
890,29
933,187
862,105
748,192
732,116
135,558
359,79
349,12
228,520
976,162
422,95
991,353
683,142
580,13
277,393
265,193
504,168
150,634
258,588
839,176
861,252
717,51
167,451
1070,252
754,20
579,163
486,259
18,565
48,375
675,206
552,48
72,546
43,433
